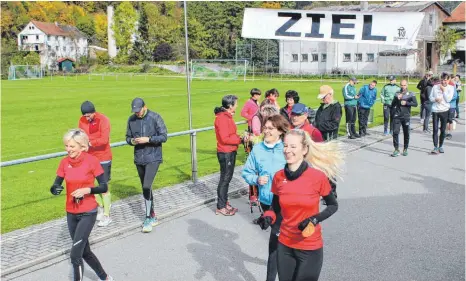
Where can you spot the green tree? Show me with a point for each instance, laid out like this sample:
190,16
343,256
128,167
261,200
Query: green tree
446,39
86,25
124,26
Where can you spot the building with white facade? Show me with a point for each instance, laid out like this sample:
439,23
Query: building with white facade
340,57
53,42
457,21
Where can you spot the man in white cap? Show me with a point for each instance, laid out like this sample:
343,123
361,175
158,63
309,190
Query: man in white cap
328,115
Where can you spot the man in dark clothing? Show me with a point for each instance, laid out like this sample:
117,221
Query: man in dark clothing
351,102
328,115
386,97
401,106
422,87
146,131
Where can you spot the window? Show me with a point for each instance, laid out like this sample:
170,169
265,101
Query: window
295,57
25,37
56,48
346,57
358,57
370,57
304,57
37,37
36,47
315,57
71,49
431,19
49,48
64,48
323,57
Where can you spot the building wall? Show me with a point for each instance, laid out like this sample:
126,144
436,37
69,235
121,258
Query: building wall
51,47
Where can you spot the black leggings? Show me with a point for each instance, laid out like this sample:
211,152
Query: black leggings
273,244
147,175
80,227
227,168
363,117
399,123
350,115
299,265
442,117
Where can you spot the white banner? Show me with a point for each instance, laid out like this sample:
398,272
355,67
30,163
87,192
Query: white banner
356,27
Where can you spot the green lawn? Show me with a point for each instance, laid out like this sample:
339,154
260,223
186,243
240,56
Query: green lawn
36,114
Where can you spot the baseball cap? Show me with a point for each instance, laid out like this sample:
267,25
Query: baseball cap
87,107
354,79
430,73
299,109
391,77
137,104
323,91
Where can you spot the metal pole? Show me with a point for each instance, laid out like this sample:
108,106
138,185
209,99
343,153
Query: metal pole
188,84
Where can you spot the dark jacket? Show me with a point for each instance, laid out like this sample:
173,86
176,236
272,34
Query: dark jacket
152,126
403,111
422,86
284,113
328,119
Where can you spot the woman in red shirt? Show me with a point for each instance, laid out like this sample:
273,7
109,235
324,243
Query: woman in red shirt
297,190
80,169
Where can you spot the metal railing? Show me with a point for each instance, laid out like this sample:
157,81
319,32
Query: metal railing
192,133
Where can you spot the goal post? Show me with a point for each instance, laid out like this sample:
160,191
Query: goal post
219,69
18,72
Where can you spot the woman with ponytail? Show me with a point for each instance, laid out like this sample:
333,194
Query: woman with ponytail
297,189
227,146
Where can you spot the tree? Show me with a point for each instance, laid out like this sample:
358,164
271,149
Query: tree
446,39
86,25
124,26
163,52
100,27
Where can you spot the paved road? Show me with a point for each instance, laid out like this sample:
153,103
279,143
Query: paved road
399,219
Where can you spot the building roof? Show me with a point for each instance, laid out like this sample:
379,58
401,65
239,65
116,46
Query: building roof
64,59
58,29
411,6
457,15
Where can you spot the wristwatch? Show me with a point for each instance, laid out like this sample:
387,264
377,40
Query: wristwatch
314,221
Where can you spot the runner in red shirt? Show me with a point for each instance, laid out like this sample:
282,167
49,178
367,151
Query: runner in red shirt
80,169
97,127
297,190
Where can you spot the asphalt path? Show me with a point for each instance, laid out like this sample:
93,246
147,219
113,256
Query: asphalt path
399,219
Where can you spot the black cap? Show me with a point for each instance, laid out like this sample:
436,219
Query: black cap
137,105
391,77
87,107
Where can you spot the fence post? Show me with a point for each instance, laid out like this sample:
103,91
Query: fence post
193,157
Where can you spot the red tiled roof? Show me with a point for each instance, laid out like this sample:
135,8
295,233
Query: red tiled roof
50,28
64,59
458,14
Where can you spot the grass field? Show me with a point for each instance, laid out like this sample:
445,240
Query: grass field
36,114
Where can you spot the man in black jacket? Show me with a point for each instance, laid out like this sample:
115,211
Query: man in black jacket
401,106
146,131
422,87
328,115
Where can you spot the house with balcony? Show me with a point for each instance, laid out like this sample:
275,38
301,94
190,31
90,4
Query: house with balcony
54,42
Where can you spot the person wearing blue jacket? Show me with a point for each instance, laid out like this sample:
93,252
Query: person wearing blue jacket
451,112
265,159
367,96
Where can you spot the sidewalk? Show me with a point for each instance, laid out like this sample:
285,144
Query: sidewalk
33,245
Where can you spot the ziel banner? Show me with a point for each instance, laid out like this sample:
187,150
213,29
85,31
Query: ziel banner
355,27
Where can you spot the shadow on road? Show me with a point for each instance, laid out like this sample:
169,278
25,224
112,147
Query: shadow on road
218,254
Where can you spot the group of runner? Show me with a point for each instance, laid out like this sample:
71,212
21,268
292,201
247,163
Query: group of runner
294,164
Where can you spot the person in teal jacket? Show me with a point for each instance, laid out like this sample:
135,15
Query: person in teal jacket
351,102
265,159
386,96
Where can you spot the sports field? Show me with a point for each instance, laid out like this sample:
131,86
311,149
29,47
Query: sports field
36,114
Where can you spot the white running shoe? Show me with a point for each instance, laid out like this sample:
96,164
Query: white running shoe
106,220
109,278
100,213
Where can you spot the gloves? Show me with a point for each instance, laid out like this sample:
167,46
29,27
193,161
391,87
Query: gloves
307,226
264,222
56,189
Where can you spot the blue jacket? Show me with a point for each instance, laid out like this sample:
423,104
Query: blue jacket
264,161
367,97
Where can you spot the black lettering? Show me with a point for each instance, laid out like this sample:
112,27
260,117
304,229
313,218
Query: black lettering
315,26
367,30
337,25
282,31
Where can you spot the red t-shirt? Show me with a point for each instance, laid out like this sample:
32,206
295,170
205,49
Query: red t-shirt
78,173
299,200
313,132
